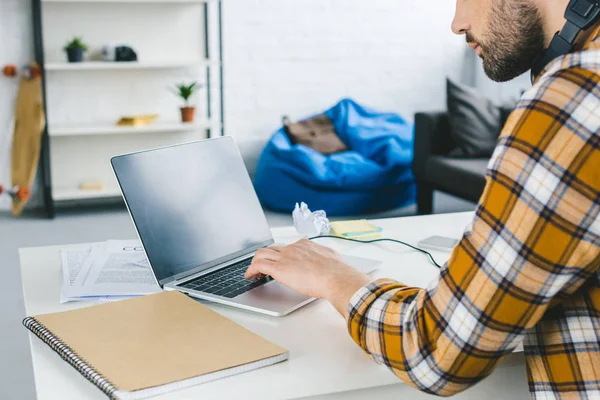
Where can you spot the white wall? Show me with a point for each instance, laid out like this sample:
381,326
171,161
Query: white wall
300,57
297,57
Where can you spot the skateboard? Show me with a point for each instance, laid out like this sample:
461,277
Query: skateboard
29,127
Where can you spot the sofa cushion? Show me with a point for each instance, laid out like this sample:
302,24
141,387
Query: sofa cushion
462,177
475,122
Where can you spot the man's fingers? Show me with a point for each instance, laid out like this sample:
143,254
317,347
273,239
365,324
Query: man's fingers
264,261
261,266
267,254
276,248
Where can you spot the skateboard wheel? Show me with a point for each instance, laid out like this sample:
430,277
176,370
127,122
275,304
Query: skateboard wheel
23,193
35,71
10,70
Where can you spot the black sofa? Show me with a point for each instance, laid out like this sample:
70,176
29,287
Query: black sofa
464,178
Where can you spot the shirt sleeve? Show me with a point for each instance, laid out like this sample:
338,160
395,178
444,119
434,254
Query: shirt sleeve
534,238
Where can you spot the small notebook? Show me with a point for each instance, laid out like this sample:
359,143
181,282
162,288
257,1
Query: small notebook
142,347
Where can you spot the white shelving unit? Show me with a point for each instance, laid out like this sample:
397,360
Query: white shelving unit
173,127
176,41
116,66
61,194
128,1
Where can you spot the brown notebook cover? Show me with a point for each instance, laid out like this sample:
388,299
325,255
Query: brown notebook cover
153,344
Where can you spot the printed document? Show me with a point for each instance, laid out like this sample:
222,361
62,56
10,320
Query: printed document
106,271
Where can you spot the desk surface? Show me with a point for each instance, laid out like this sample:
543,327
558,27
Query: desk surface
323,357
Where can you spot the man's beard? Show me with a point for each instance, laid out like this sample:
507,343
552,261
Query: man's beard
514,39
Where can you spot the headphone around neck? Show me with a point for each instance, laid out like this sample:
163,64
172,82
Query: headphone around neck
580,15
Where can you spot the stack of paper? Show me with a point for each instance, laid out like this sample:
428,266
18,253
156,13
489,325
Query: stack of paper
111,270
360,229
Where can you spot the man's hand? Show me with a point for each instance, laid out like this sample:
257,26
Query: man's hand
310,269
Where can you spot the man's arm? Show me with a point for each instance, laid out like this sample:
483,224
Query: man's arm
534,237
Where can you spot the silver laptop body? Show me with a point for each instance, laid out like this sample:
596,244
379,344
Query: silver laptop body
200,222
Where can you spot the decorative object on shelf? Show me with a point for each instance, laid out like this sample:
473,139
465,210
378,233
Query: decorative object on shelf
137,120
185,92
109,53
112,53
75,49
125,54
92,185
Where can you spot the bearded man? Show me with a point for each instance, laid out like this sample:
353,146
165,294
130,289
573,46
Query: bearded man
528,266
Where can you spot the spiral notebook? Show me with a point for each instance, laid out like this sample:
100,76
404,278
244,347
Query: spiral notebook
142,347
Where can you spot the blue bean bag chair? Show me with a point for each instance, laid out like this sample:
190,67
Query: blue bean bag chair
375,175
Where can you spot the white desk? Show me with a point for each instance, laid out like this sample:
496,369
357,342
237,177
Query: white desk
323,358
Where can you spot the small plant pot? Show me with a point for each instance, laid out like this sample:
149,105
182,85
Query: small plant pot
75,55
187,114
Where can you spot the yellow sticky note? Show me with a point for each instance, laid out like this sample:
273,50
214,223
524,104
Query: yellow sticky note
355,229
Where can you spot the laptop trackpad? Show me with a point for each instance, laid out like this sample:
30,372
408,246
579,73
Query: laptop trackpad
272,296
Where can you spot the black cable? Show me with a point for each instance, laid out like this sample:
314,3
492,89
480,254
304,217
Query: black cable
380,240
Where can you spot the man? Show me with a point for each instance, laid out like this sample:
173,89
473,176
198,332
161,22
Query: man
527,268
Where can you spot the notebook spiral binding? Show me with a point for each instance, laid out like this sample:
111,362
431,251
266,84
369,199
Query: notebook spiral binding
70,356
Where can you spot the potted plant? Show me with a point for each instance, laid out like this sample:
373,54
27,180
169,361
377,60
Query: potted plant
75,49
185,92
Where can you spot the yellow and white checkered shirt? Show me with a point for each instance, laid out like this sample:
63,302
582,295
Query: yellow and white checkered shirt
528,267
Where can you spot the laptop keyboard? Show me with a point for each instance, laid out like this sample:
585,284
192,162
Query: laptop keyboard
227,282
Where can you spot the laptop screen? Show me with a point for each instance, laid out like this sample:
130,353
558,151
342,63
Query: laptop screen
193,205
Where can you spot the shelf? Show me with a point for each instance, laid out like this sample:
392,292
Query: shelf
120,66
131,1
61,194
85,130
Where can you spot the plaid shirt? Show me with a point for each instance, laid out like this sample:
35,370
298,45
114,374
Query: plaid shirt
528,266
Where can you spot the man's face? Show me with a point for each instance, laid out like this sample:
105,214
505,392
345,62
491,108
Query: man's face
507,34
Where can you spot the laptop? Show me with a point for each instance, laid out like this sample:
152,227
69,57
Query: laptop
200,222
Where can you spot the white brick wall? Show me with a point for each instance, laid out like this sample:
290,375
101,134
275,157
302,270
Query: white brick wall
299,57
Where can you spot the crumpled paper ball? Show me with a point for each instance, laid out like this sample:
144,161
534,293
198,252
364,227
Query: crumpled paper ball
308,223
